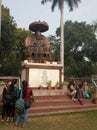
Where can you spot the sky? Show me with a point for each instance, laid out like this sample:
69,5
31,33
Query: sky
28,11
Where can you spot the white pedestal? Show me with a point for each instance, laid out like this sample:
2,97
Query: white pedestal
39,73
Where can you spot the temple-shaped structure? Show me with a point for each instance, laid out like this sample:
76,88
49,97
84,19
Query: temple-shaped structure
38,47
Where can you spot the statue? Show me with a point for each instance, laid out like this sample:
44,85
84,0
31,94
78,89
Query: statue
37,44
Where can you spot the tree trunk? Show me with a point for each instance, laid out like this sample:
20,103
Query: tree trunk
62,34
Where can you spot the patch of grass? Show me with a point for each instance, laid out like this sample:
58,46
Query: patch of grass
65,121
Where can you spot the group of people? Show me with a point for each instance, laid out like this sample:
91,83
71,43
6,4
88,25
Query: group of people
76,91
10,95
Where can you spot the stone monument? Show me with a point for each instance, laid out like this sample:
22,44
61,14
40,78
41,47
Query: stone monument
38,47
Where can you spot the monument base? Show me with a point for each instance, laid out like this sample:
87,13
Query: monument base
38,74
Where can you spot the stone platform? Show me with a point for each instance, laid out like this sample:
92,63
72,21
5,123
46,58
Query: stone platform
46,92
39,74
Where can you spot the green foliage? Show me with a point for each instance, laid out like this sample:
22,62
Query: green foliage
95,96
65,83
57,84
71,3
12,49
80,42
2,83
91,89
8,31
49,83
19,47
55,47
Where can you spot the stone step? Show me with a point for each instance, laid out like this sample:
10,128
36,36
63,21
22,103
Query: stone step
61,109
48,97
58,104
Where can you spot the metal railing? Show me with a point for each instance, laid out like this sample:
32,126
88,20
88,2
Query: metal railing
94,80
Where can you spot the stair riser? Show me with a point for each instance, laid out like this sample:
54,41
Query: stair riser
51,97
57,103
65,109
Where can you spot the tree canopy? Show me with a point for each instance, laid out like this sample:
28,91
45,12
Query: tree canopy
71,3
80,44
11,45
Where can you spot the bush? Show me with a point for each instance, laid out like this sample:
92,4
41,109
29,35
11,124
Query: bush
2,83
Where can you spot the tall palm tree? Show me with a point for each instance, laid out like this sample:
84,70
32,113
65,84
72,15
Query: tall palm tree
60,3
